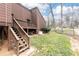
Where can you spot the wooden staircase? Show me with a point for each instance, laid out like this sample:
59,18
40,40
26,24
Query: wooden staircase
19,39
22,43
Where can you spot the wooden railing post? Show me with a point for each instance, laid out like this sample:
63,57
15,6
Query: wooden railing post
29,43
17,49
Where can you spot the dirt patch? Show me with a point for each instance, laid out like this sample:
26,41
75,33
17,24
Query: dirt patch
4,51
75,45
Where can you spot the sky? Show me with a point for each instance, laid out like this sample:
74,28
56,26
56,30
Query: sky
56,8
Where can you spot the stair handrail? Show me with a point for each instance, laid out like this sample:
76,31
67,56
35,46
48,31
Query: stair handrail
14,34
21,28
15,40
23,32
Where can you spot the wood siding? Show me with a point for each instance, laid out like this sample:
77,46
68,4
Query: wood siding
22,14
38,18
5,14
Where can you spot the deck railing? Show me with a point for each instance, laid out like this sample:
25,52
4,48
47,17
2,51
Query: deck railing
26,24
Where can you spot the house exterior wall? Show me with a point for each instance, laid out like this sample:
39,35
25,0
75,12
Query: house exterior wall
22,14
38,18
5,14
34,17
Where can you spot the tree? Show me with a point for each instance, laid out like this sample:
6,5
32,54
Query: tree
72,22
48,21
61,18
51,11
67,19
76,23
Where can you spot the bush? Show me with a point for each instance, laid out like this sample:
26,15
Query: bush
45,30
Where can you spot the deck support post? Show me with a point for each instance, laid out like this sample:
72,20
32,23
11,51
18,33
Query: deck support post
37,31
27,31
9,46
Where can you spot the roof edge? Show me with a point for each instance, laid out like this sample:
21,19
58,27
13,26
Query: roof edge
40,13
23,6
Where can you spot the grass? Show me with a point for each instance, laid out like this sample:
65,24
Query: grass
52,44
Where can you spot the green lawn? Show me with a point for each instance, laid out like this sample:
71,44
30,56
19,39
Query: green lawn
52,44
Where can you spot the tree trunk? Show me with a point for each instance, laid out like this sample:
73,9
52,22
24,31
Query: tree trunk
73,23
51,11
61,18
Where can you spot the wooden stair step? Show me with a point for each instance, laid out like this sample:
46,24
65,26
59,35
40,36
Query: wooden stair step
16,31
23,49
20,42
22,45
25,44
19,36
22,39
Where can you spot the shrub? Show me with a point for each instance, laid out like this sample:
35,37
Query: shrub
45,30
